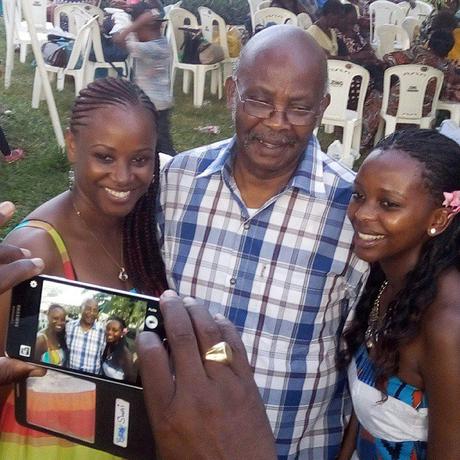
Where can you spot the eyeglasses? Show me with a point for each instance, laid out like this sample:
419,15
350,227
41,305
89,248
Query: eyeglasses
263,110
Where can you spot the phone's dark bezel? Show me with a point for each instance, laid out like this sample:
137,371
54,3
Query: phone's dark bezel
141,445
25,331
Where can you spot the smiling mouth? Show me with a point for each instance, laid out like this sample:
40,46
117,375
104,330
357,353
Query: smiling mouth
368,237
116,194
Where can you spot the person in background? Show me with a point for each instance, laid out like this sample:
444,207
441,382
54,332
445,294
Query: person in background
10,156
352,45
51,345
152,64
323,30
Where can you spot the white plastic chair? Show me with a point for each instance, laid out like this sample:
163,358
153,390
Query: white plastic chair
17,29
413,83
264,4
76,67
274,15
420,11
453,108
390,38
253,7
304,21
410,25
341,76
100,62
179,17
210,23
383,12
76,16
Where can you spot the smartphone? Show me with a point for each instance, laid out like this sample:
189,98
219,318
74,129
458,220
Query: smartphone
80,328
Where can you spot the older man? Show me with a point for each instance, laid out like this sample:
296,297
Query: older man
86,339
255,226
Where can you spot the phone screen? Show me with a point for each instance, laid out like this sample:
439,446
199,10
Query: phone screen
80,328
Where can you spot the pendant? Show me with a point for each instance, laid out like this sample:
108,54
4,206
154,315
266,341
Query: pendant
123,276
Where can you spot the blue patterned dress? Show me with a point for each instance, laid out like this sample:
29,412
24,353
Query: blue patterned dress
404,422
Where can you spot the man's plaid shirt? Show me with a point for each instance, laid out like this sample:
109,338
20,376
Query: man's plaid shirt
284,274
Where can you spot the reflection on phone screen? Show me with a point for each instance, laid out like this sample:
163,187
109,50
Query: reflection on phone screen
62,403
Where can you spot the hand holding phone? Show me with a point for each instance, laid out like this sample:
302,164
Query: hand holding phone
80,328
207,409
16,264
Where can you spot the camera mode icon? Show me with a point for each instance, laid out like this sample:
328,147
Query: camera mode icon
151,322
33,284
24,350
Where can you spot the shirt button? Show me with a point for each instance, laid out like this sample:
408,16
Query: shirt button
232,281
247,225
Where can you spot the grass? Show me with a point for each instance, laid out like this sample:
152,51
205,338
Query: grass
43,174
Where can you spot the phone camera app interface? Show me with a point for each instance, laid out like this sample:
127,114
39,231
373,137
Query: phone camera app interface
91,331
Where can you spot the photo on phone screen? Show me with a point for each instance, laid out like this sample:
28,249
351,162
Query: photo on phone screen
80,327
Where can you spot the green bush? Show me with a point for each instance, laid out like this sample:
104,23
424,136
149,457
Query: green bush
233,11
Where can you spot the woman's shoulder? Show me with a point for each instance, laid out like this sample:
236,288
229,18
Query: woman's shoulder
37,239
441,323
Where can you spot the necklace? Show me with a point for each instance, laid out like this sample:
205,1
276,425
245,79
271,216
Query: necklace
122,275
371,336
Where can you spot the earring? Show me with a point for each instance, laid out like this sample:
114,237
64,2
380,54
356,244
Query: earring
71,178
432,231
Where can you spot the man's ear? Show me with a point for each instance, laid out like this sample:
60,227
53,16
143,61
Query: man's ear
325,101
439,222
230,88
70,146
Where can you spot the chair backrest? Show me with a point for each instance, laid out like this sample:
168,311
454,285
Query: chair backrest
213,25
77,16
383,12
264,4
341,76
92,10
389,38
82,45
179,17
274,15
168,8
413,82
253,7
304,21
420,11
410,24
38,10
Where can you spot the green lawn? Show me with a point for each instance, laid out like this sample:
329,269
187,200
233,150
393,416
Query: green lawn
43,173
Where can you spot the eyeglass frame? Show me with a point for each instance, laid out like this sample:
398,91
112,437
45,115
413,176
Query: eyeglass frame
286,112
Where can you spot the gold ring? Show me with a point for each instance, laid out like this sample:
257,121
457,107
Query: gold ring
220,352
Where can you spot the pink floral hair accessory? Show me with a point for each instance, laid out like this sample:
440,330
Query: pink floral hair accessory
452,201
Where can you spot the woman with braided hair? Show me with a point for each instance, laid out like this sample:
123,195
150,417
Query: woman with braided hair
403,345
84,233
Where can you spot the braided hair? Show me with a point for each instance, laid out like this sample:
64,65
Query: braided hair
440,158
140,247
61,336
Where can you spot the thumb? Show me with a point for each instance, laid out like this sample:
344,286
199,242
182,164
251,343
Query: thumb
13,370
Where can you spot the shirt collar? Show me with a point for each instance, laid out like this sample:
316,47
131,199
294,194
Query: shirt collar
308,176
